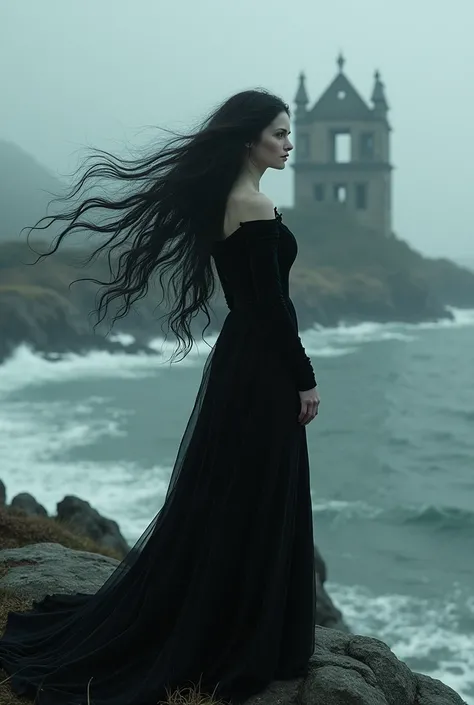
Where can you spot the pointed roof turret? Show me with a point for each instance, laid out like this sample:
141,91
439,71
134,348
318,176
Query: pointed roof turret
301,97
340,62
379,98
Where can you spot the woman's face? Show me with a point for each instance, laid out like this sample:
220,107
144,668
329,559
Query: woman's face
274,146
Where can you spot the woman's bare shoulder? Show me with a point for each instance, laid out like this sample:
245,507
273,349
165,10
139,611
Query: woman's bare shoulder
257,207
242,207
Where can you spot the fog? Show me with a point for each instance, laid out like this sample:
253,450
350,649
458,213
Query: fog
96,73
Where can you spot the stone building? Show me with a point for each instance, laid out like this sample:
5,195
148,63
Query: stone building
342,152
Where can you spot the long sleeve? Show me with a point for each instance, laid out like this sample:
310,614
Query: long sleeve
271,309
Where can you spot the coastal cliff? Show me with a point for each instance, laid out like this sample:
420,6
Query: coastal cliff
343,274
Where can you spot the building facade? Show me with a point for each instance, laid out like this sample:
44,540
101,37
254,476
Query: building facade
342,152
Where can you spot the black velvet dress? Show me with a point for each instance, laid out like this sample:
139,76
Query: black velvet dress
220,589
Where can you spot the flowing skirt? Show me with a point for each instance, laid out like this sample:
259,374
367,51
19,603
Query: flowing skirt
219,590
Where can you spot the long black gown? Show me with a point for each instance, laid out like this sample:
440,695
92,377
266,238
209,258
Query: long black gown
220,589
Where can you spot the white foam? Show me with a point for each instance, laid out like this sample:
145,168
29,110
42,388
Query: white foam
27,368
346,339
361,333
124,339
463,318
32,435
196,357
414,628
327,350
371,331
357,509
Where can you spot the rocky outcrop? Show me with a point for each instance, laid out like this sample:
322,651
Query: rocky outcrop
327,614
75,515
345,669
81,518
50,321
327,296
26,503
46,568
359,670
347,273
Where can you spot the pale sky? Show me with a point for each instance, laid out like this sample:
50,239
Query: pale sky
96,72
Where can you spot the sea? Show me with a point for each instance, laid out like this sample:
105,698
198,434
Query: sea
392,465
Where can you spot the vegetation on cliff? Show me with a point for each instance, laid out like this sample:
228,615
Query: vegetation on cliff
347,272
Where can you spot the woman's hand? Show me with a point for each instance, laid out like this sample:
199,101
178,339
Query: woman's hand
309,406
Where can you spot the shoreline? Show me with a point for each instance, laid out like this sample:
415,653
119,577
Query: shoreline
138,342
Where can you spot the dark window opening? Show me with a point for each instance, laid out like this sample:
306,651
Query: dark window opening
367,145
340,193
341,146
319,192
361,196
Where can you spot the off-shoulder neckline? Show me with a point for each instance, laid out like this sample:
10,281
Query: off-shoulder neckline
243,223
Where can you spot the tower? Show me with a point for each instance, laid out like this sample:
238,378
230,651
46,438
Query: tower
342,152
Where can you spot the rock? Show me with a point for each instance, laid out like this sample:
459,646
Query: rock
344,670
42,569
281,693
357,670
28,504
327,614
320,565
50,323
81,518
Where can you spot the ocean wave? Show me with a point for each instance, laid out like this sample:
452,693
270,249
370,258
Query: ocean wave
462,318
422,632
317,337
441,518
27,367
350,510
125,339
346,339
438,517
35,440
329,351
370,331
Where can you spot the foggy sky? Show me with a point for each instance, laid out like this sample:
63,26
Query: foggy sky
96,72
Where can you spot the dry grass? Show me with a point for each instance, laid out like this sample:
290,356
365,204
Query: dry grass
189,696
18,530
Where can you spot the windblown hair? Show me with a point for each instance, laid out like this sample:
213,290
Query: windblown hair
169,222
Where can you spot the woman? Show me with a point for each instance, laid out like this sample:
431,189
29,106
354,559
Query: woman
219,590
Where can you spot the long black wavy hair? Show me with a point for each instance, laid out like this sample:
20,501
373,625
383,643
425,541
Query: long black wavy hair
169,222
